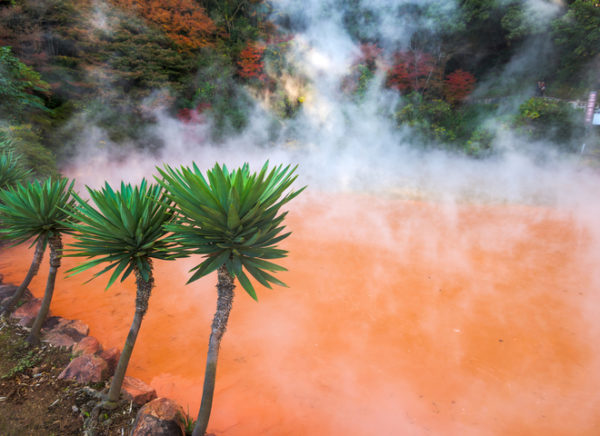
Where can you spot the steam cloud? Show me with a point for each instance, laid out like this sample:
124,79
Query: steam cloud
343,145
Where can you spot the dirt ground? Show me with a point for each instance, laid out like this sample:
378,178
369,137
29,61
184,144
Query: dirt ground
34,402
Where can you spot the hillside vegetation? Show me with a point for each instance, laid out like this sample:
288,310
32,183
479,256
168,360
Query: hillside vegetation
67,64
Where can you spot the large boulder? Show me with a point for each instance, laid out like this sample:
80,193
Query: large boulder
58,339
28,310
86,369
137,391
112,356
70,327
161,417
88,345
62,332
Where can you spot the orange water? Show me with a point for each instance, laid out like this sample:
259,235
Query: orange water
401,317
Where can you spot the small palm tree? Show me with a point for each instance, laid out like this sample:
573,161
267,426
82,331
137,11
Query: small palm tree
11,172
232,219
36,211
125,231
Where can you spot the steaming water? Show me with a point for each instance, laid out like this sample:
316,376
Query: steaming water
471,311
402,317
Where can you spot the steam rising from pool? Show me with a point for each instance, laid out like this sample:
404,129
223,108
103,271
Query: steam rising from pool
429,293
402,317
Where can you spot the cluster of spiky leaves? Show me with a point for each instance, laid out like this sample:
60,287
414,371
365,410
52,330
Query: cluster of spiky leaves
125,230
35,210
11,172
231,218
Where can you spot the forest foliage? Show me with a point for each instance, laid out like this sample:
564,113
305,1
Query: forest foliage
65,63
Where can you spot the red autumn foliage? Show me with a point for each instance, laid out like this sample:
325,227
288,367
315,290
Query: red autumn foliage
193,116
184,21
414,71
369,54
458,85
251,62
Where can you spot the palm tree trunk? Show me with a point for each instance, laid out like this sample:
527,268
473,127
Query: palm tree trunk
40,247
56,246
225,288
144,288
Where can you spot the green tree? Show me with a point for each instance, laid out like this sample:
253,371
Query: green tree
232,219
11,174
218,94
11,171
239,20
485,34
434,120
577,35
125,231
37,211
21,88
26,145
551,120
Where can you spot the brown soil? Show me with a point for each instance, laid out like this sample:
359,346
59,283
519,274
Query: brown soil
34,402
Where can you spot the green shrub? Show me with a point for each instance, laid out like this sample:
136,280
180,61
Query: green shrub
217,92
551,120
26,144
22,90
434,120
480,143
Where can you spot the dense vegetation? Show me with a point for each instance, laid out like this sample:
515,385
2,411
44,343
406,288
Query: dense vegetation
66,64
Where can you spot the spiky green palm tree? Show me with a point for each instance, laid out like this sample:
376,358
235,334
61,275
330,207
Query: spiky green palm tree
232,218
37,211
11,171
124,230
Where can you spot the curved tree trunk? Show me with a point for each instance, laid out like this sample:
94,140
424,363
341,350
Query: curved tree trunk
144,288
56,246
40,247
225,288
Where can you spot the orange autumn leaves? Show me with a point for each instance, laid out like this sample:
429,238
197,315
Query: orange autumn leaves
458,85
421,72
410,71
251,62
184,21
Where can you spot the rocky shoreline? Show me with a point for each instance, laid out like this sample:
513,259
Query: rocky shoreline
91,366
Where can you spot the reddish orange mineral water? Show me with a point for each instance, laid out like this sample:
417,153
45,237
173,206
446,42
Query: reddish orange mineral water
401,318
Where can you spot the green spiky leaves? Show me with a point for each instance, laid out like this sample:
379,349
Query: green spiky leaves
125,229
231,218
36,210
11,172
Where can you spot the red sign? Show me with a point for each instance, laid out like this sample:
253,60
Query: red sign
589,111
